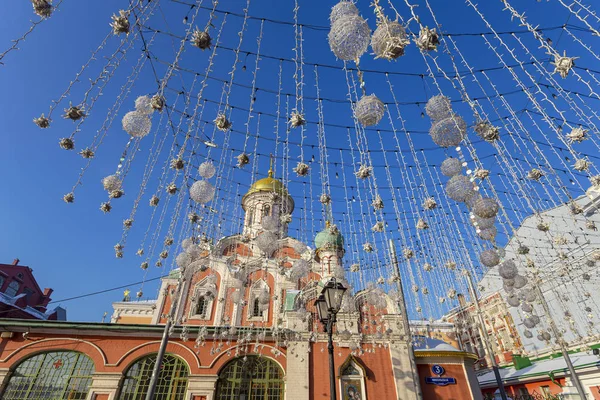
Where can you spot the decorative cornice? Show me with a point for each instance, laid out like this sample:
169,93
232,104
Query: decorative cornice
434,353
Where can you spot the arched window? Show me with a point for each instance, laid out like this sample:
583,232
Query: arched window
172,380
256,311
352,380
201,307
54,375
266,210
12,289
256,378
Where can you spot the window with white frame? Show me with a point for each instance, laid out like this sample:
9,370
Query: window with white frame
258,301
352,380
202,300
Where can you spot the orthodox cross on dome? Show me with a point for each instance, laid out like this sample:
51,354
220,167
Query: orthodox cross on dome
271,172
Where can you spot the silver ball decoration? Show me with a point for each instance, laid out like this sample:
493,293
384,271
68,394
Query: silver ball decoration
201,39
472,199
183,260
438,107
299,270
349,37
369,110
143,104
527,307
119,23
270,223
202,192
484,223
342,9
530,295
529,323
488,233
489,258
207,170
389,40
486,208
451,166
513,300
520,281
508,270
448,132
137,124
527,334
459,188
267,242
111,183
428,39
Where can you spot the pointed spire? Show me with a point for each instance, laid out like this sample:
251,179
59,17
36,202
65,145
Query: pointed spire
271,172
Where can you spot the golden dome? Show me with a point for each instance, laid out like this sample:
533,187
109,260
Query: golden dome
268,184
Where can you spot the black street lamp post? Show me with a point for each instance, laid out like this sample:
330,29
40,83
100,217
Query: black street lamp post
328,305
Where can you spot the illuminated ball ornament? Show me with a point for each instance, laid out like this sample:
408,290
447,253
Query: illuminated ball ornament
488,233
369,110
513,300
202,192
143,105
111,183
342,9
508,270
137,124
459,188
207,170
349,37
389,40
438,107
486,208
520,282
484,223
270,223
267,242
448,132
451,166
489,258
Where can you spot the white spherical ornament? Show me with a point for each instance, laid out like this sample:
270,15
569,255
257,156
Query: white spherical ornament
513,300
486,208
187,243
349,37
489,258
508,270
183,260
299,270
202,192
530,295
137,124
520,281
488,233
451,166
194,252
448,132
459,188
267,242
389,40
438,107
527,334
527,307
111,183
484,223
472,199
369,110
529,322
143,105
342,9
207,170
270,223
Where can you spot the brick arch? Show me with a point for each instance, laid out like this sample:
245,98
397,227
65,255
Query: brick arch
286,251
174,348
265,351
56,344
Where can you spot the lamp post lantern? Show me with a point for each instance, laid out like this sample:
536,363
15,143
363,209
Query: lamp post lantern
328,304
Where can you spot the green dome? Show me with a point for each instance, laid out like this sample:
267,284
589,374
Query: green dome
326,240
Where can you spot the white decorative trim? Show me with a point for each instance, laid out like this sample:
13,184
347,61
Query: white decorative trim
57,349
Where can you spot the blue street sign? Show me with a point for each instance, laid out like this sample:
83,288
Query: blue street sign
440,381
437,370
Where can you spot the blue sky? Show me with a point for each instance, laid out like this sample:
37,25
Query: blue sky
69,246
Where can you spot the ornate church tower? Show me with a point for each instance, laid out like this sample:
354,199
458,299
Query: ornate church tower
329,244
267,197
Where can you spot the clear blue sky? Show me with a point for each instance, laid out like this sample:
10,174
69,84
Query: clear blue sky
69,247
